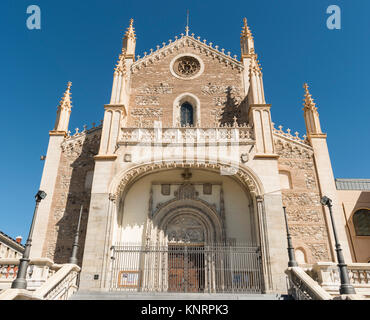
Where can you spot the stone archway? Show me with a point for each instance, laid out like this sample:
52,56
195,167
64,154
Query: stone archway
185,204
203,220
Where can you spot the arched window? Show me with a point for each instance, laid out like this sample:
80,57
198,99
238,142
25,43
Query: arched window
361,222
186,114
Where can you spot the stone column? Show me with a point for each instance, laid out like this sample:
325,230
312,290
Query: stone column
48,180
273,245
99,228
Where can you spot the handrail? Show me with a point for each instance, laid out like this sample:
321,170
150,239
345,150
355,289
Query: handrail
60,286
303,287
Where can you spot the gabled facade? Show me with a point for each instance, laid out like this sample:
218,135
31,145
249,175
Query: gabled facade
184,182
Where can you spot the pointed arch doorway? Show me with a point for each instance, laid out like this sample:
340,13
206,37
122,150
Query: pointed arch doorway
186,264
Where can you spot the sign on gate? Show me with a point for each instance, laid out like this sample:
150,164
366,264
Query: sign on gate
129,279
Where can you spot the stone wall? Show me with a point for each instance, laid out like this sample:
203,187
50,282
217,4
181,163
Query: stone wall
301,198
154,88
72,189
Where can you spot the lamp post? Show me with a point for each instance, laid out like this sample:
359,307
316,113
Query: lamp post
345,286
73,259
20,282
292,262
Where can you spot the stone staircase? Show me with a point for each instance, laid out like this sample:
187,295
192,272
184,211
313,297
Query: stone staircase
115,295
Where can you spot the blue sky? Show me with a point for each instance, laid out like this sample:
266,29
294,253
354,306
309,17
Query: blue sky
80,41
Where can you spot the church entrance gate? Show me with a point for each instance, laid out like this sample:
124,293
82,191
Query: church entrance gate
192,268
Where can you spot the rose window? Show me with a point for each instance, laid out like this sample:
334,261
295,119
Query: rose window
187,66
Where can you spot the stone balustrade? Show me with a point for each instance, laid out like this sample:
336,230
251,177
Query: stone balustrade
60,286
240,135
38,271
303,287
327,275
288,135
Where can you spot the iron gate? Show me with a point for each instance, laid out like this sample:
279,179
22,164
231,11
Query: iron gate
214,268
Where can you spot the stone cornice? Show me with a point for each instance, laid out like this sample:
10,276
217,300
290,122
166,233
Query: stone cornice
248,56
57,133
105,157
120,107
130,56
260,105
186,40
266,156
317,135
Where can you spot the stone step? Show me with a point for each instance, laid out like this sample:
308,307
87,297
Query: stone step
101,295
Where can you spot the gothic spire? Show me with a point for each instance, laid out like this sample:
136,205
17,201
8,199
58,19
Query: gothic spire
246,40
129,40
308,100
130,32
246,32
66,101
64,110
311,116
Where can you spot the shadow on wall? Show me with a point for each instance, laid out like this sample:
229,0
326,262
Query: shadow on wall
73,189
233,107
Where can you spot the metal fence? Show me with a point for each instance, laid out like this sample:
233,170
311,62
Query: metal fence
214,268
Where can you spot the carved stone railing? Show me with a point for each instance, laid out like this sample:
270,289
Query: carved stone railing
38,271
303,287
60,286
240,135
327,275
279,132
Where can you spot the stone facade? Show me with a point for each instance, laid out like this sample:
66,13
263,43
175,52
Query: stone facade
72,189
140,184
301,198
154,88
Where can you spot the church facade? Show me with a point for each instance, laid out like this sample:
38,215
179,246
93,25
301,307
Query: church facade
182,186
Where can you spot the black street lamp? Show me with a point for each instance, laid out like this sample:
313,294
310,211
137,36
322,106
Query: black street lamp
292,262
20,282
73,259
345,286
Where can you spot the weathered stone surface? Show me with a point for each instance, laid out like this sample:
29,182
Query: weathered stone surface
304,211
70,193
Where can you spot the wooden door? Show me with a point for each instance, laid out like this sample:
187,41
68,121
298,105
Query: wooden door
185,269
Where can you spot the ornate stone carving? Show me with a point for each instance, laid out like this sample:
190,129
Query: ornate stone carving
162,88
186,66
207,188
244,157
165,189
221,101
146,112
298,164
185,229
216,89
135,172
186,191
289,150
146,100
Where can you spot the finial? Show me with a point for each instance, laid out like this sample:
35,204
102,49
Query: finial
130,32
246,32
308,100
65,102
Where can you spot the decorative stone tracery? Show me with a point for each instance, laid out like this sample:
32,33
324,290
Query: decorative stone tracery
186,66
127,177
